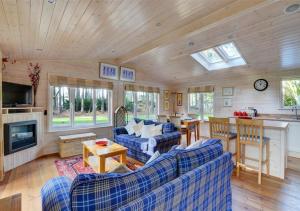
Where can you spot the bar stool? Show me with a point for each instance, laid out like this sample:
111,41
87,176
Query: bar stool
220,128
250,132
162,118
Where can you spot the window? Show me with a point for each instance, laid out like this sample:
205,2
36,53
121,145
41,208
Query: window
143,105
290,92
79,107
219,57
201,104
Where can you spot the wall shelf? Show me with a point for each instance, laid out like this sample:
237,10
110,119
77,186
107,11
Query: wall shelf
21,110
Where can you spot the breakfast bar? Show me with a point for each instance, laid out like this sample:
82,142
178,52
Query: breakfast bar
277,132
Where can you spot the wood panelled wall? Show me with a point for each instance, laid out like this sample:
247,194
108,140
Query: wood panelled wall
78,69
266,102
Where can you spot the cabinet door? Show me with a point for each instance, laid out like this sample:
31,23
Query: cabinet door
294,139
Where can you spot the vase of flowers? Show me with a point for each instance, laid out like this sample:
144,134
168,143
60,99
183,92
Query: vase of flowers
34,75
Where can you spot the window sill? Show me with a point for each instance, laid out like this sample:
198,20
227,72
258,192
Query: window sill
62,129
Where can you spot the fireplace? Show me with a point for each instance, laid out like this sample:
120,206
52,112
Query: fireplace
19,136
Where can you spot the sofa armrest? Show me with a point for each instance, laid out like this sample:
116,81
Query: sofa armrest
166,141
56,194
119,131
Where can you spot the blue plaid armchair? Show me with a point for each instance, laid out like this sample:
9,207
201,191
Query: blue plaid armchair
135,145
194,179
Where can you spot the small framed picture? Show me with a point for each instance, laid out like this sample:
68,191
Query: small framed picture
179,99
109,71
127,74
166,94
227,102
166,105
227,91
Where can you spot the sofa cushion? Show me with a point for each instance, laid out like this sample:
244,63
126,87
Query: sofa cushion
110,191
130,141
188,159
168,127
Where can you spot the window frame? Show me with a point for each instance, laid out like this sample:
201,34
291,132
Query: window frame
147,103
72,126
282,106
201,104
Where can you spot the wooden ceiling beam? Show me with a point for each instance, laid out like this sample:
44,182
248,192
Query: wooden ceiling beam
222,15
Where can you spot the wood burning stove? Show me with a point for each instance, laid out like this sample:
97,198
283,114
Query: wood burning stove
19,136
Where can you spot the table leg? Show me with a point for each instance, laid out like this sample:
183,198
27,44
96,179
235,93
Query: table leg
188,137
85,155
101,165
198,131
123,157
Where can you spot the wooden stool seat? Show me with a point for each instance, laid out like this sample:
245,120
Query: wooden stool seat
250,132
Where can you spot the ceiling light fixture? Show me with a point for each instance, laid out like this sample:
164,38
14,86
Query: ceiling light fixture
51,1
292,8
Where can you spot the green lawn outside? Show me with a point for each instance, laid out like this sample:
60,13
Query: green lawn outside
79,120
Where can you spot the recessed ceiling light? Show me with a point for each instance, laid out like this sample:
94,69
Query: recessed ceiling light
39,49
158,24
51,1
292,8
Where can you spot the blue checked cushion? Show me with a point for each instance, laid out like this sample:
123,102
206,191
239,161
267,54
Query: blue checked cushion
168,127
130,141
192,158
55,194
119,131
166,141
110,191
207,187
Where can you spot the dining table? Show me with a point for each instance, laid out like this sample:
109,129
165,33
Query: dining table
188,126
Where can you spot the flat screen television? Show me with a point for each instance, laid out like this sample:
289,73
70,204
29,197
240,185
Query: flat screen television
16,95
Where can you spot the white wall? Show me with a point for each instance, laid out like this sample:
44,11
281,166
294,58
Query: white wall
266,102
80,69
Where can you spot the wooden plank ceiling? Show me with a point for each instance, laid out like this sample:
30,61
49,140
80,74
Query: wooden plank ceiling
153,36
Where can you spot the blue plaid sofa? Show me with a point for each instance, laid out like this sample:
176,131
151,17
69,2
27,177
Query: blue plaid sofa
195,179
170,137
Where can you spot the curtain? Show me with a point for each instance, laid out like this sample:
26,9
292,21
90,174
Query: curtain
136,88
201,89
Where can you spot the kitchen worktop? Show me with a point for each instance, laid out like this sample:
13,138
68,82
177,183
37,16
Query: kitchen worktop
279,124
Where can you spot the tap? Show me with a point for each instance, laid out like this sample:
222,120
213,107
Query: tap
296,112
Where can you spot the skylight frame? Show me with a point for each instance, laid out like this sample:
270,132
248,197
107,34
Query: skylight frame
227,61
220,58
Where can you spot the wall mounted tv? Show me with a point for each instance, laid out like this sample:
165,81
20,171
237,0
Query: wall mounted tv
16,95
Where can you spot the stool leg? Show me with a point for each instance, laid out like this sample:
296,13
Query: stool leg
238,160
260,164
268,158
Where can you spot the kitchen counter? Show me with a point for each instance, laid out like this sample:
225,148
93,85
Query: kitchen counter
277,132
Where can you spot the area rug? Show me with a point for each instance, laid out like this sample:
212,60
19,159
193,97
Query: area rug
73,166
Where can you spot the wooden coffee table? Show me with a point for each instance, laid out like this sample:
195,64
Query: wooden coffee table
100,157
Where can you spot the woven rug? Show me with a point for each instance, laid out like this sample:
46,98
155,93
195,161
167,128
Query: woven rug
73,166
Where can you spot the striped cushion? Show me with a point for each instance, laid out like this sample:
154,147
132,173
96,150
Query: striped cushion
110,191
192,158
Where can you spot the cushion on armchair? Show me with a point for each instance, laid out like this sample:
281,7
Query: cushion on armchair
110,191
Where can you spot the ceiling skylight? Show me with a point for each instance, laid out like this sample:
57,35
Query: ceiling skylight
219,57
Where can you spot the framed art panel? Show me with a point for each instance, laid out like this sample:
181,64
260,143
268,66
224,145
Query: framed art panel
109,71
227,102
127,74
166,94
166,105
227,91
179,99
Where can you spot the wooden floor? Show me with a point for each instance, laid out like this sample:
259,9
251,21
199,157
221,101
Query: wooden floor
247,194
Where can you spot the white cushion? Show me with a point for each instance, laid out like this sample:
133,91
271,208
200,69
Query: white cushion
194,145
129,127
147,131
153,157
121,168
138,128
157,130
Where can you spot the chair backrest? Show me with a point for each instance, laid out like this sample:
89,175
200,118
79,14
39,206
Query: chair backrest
219,127
250,131
193,116
162,118
176,120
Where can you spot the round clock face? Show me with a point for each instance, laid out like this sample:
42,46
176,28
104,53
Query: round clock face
261,84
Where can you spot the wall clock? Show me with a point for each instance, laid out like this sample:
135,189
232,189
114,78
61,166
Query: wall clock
261,84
